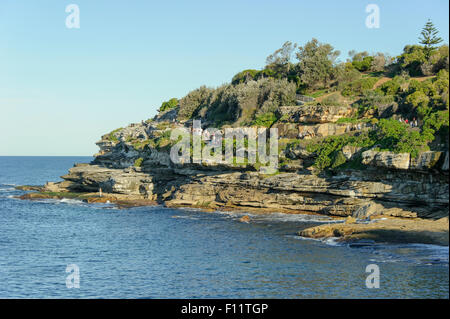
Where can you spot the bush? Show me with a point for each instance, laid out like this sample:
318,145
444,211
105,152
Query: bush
420,101
429,96
437,122
412,58
346,73
395,136
327,150
363,65
193,101
265,120
112,136
138,162
388,135
241,103
358,87
332,100
373,100
416,62
244,76
172,103
393,86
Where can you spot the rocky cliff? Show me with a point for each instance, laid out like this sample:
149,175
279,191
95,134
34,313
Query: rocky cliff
413,187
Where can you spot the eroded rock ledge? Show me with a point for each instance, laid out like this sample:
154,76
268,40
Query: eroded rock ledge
422,195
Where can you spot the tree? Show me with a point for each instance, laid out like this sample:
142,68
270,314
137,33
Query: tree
280,60
379,62
428,37
316,63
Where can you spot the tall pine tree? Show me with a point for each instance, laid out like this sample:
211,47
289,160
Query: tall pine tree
428,37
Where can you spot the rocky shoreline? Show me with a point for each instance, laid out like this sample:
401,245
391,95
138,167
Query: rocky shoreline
133,168
371,222
413,210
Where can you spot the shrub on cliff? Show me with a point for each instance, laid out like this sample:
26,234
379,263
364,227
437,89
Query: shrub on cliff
373,100
172,103
428,96
112,136
394,86
388,135
138,162
361,61
333,99
193,101
392,135
346,73
266,119
327,150
416,61
358,87
244,76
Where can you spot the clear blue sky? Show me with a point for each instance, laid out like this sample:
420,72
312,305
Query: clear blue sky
61,89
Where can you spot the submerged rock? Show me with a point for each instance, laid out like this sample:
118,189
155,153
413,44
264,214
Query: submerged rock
245,219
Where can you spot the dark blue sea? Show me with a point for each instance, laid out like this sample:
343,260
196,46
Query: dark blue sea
157,252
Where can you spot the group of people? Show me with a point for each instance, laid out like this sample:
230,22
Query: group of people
412,123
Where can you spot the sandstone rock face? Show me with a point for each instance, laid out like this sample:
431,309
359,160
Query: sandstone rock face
350,151
347,194
386,159
315,113
367,210
327,129
305,131
425,161
91,178
287,130
169,115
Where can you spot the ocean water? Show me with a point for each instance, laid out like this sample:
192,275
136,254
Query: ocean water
157,252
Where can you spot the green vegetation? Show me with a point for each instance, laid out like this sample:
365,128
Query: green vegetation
429,38
332,100
163,140
138,162
358,87
361,61
172,103
313,69
265,120
382,89
245,76
327,150
372,100
316,63
241,103
140,144
112,136
388,135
